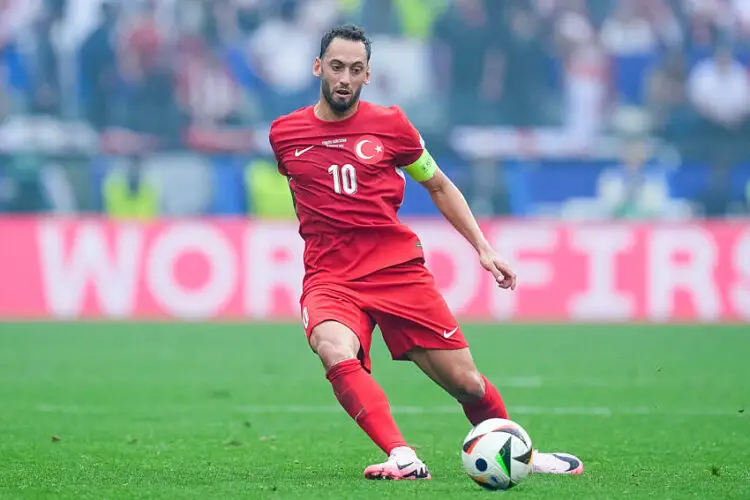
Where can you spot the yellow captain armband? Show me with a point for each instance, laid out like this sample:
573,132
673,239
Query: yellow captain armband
423,169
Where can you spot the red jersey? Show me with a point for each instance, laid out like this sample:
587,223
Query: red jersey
348,186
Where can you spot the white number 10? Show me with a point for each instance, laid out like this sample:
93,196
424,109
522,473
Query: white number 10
345,177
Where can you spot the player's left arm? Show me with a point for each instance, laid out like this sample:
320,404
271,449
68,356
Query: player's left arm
452,204
421,167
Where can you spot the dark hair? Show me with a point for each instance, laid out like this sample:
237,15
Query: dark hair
346,32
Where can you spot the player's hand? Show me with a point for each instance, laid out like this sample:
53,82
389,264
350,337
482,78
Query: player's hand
504,275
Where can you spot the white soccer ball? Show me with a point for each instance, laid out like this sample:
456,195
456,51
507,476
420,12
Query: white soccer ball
497,454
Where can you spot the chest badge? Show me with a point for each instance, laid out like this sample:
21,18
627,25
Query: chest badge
369,149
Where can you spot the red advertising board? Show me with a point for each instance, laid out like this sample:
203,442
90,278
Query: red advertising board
203,269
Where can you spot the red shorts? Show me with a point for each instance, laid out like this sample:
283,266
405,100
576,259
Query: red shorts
402,300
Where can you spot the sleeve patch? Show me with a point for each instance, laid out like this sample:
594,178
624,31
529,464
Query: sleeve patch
423,169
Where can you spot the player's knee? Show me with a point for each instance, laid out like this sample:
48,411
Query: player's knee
333,344
331,353
468,386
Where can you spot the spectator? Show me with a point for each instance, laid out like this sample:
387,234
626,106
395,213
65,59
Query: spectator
148,75
21,187
633,189
207,94
470,63
284,53
585,74
628,31
45,75
487,189
99,72
129,193
706,23
666,98
716,199
719,91
526,96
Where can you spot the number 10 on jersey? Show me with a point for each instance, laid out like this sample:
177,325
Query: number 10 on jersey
344,179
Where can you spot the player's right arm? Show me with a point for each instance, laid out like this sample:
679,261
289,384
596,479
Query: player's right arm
272,140
280,164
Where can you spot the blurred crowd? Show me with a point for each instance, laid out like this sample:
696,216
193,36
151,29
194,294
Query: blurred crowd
133,79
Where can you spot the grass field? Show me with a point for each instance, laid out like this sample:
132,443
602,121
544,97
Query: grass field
101,411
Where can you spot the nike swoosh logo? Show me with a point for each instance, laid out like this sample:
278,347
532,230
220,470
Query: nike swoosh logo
404,466
298,153
448,335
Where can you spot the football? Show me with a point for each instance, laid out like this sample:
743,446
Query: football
497,454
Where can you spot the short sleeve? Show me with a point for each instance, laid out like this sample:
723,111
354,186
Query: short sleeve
410,145
277,155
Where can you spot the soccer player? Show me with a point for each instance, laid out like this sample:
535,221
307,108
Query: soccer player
345,161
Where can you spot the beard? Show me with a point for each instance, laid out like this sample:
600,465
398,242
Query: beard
339,104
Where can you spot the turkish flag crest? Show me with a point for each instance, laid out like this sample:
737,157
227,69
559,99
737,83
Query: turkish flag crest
369,149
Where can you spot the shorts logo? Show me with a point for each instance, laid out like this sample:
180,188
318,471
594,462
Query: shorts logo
305,318
369,149
449,334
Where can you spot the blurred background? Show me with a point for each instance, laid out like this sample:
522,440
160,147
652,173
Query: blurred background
574,109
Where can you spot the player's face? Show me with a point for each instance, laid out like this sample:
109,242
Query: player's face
343,71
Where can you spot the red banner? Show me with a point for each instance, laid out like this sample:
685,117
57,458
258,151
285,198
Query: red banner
211,269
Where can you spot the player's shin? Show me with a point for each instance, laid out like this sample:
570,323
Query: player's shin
364,400
490,405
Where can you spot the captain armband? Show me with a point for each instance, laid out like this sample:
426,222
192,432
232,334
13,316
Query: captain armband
423,169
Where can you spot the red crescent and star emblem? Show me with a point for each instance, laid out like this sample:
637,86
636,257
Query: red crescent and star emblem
369,149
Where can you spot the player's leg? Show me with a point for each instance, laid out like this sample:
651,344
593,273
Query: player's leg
418,325
455,371
345,355
355,389
340,334
447,361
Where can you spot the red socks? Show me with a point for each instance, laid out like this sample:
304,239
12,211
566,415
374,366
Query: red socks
366,403
490,406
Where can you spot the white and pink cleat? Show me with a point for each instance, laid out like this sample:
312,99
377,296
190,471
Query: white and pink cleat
402,463
556,463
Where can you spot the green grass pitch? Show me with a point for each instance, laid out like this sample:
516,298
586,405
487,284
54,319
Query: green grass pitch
130,410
